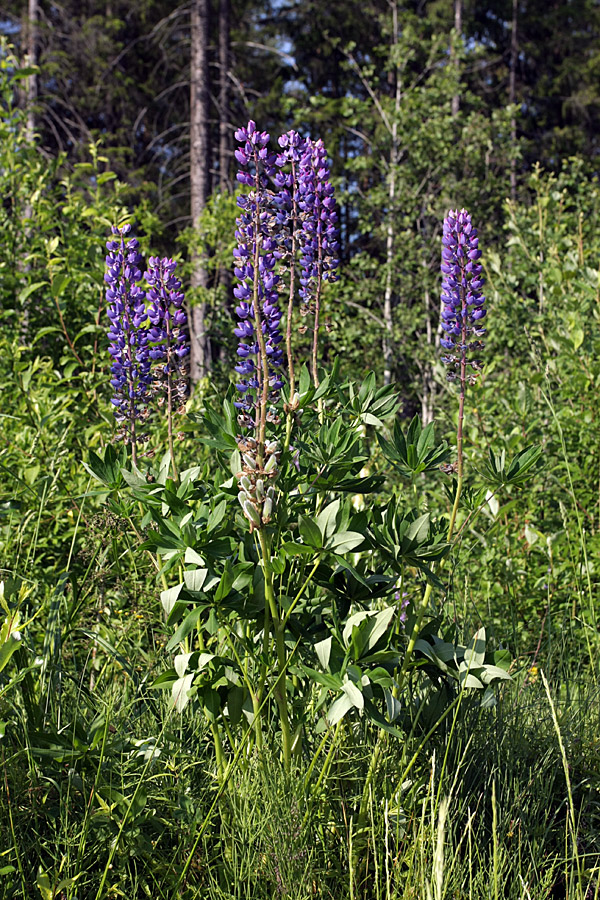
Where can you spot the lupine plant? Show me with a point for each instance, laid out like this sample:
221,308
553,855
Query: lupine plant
296,612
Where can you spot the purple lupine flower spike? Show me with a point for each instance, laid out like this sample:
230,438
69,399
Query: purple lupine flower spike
289,217
168,329
260,246
319,243
319,239
129,339
255,258
463,302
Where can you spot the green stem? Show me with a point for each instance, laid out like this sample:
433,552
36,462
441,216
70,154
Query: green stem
307,581
219,755
410,649
280,692
459,485
326,765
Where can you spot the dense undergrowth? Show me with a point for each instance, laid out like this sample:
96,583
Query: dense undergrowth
108,791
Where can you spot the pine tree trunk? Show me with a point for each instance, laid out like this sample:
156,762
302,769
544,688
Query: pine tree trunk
199,178
224,125
512,96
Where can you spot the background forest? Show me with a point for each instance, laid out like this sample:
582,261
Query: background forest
120,111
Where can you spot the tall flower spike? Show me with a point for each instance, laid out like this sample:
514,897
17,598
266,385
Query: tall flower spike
463,302
293,148
128,338
169,337
319,241
257,253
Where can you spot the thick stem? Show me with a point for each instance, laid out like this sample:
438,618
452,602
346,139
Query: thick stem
264,361
288,333
461,402
170,402
315,347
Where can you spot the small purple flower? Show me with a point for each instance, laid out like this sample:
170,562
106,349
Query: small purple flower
128,337
463,302
403,606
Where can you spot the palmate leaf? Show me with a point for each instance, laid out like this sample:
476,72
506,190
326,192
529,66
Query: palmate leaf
415,452
525,464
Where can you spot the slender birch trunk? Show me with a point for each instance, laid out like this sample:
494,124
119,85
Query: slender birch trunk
458,8
388,317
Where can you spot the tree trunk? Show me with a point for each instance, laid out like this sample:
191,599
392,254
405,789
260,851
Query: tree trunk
224,124
388,317
512,96
199,179
32,82
225,154
458,30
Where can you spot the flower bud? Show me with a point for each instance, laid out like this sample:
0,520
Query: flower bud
249,460
267,510
271,466
251,512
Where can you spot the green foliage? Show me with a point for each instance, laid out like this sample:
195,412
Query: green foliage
185,712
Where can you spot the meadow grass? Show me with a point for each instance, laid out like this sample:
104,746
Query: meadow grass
113,798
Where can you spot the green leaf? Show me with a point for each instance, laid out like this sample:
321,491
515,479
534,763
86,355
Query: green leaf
193,558
179,691
194,580
310,532
44,886
291,548
332,682
354,694
169,597
226,582
327,518
345,541
339,708
211,704
491,673
216,516
474,655
418,531
30,289
323,651
190,622
59,283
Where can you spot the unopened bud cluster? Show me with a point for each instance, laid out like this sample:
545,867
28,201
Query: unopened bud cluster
256,489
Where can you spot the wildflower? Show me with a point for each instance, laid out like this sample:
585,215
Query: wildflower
256,256
404,604
463,302
167,332
129,339
319,244
293,147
